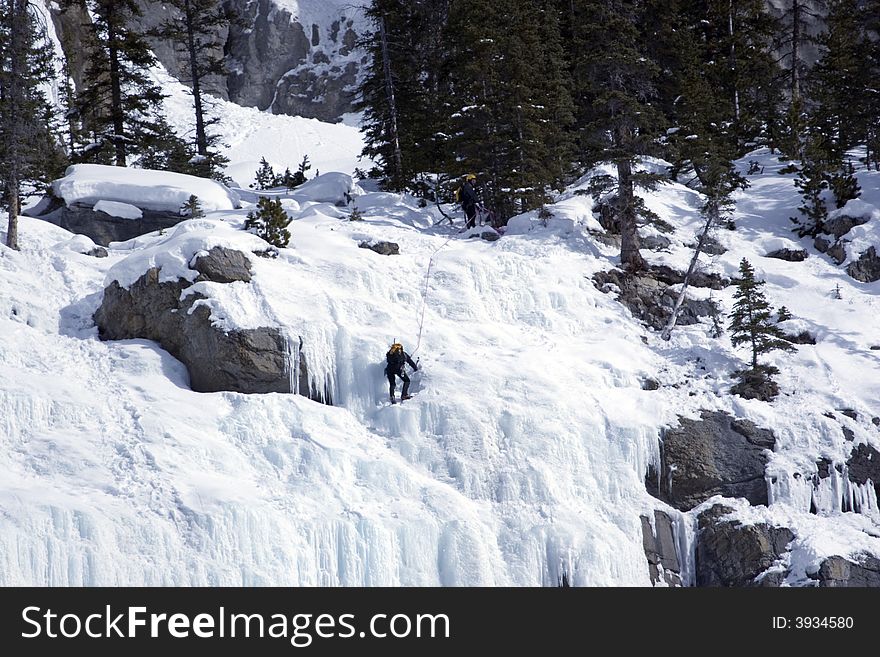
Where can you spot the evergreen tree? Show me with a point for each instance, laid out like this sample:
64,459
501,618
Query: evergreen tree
265,176
269,221
29,154
194,34
119,104
615,89
750,321
840,81
300,176
192,208
791,41
513,109
872,93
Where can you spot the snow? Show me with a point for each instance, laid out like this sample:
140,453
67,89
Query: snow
858,209
246,135
522,455
116,209
143,188
327,188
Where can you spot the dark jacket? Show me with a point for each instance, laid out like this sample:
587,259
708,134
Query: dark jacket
468,195
396,366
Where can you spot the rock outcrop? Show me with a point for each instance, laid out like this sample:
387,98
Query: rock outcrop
790,255
837,571
661,549
649,299
867,268
382,248
101,227
275,61
716,455
245,360
729,553
863,465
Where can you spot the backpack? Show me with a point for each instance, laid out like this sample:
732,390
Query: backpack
395,357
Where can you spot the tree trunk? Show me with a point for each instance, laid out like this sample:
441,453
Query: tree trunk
392,108
795,51
630,258
201,136
18,24
711,218
116,89
733,61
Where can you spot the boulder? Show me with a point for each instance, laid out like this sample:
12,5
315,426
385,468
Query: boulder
715,455
382,248
756,384
729,553
867,268
838,571
244,360
222,265
790,255
841,225
101,227
661,549
672,276
98,252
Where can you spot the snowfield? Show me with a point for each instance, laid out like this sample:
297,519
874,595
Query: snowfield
521,457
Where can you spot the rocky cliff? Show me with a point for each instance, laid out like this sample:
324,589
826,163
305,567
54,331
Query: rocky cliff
283,56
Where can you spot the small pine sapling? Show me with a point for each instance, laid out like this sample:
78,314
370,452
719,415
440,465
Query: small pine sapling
355,214
270,222
192,208
750,324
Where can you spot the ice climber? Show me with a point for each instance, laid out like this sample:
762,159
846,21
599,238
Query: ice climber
397,360
467,196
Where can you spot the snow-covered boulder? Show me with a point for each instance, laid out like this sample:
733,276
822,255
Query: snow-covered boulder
160,191
176,290
336,188
116,204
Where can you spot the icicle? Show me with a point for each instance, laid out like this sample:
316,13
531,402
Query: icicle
294,348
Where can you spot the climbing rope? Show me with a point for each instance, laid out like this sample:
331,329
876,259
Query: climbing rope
425,292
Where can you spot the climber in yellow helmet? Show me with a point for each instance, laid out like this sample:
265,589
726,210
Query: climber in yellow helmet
468,199
397,359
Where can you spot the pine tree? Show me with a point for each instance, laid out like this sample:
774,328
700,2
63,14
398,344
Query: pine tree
192,208
404,91
513,109
119,104
270,222
791,41
840,81
750,321
29,154
300,176
615,87
265,176
194,34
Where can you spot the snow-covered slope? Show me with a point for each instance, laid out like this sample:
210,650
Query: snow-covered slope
521,457
246,135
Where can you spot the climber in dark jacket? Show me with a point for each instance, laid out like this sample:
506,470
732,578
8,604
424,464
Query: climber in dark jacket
468,198
397,360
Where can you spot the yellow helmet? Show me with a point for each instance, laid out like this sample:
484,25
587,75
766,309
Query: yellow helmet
470,176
